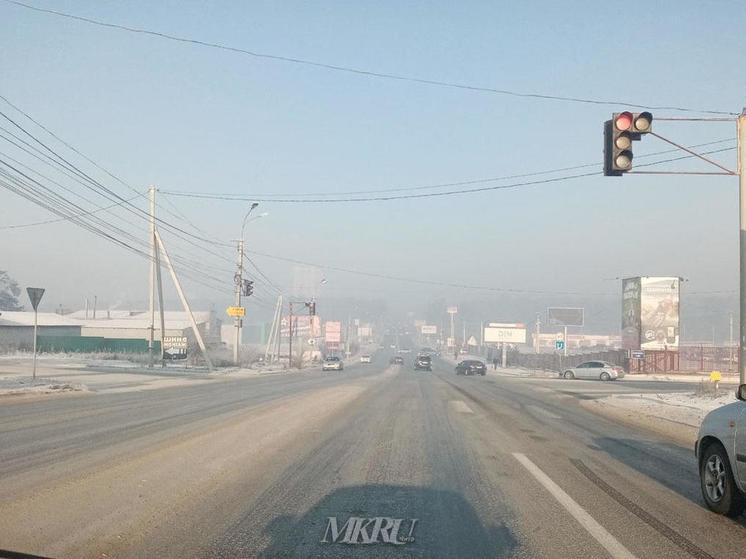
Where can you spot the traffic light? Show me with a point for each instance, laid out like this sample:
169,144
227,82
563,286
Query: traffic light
311,308
248,287
619,133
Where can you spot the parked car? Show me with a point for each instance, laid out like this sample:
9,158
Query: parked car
366,359
397,360
471,367
332,363
423,363
594,369
721,456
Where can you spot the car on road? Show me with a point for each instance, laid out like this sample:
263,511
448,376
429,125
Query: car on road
366,359
405,350
471,367
423,363
601,370
397,360
721,456
332,363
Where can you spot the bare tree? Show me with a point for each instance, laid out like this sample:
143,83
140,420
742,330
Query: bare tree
9,292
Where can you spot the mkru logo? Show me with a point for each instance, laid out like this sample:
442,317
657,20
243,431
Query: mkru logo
379,529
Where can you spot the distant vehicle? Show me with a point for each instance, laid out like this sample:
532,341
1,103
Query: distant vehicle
720,450
393,346
366,359
397,360
423,363
332,363
428,351
463,351
471,367
405,350
594,369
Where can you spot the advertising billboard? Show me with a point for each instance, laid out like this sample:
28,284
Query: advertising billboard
659,312
333,332
303,325
631,313
565,316
650,313
428,329
507,335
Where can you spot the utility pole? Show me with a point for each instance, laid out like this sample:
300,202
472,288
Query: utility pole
566,340
537,343
741,127
730,342
238,280
290,338
151,292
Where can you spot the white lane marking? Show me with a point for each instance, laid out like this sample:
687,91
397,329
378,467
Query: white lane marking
460,406
609,542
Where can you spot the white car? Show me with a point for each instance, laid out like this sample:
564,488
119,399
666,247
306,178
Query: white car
721,456
366,359
332,363
594,369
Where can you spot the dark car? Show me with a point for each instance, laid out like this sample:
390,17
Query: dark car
397,360
471,367
423,363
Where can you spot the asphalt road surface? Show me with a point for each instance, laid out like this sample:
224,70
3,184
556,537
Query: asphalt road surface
375,461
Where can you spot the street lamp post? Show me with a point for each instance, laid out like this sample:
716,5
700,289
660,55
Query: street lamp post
238,280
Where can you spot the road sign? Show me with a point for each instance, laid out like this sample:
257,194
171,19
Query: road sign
560,336
637,354
35,294
236,311
175,347
559,345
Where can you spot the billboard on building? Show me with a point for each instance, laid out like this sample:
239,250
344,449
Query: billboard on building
565,316
428,329
303,325
659,312
333,332
650,313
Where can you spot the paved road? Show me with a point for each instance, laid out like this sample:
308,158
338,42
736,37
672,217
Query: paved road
454,466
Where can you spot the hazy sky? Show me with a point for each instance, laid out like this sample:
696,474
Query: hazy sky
194,119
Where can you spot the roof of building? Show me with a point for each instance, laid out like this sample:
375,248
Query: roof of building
139,320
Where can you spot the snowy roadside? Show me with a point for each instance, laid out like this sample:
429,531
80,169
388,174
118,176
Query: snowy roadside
12,386
675,415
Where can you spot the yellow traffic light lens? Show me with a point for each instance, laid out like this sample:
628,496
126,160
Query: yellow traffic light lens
642,124
623,141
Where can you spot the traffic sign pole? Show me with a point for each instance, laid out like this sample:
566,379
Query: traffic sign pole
35,294
742,243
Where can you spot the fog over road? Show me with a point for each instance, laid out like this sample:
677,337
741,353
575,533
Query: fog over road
434,465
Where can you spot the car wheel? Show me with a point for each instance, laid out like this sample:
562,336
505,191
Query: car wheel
569,375
605,376
718,486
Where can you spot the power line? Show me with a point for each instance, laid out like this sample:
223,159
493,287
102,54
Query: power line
49,221
358,71
419,281
271,197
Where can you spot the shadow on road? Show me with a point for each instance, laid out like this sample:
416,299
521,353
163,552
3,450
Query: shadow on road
446,525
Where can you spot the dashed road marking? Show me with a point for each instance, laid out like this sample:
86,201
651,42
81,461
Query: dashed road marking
599,533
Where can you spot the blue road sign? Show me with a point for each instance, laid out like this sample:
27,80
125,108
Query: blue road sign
559,344
637,354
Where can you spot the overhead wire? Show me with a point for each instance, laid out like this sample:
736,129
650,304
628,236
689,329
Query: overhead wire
358,71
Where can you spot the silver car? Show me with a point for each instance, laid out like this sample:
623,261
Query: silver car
594,369
721,456
332,363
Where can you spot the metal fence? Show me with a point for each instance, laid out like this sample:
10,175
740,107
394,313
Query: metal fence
557,362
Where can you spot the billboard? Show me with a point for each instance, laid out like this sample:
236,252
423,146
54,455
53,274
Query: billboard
333,332
565,316
428,329
631,313
659,312
650,313
303,325
503,334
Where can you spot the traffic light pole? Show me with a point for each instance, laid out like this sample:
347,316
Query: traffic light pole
238,280
742,245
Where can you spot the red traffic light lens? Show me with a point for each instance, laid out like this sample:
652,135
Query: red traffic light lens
623,121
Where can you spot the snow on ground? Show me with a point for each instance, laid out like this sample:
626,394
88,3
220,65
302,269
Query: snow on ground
26,385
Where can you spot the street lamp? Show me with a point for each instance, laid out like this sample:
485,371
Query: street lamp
238,280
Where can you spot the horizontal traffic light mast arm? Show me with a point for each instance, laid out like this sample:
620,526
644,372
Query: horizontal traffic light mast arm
695,154
696,119
729,173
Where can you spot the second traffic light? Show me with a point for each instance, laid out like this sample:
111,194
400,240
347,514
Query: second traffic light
311,308
619,133
248,287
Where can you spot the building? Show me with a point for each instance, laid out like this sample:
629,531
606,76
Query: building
111,331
